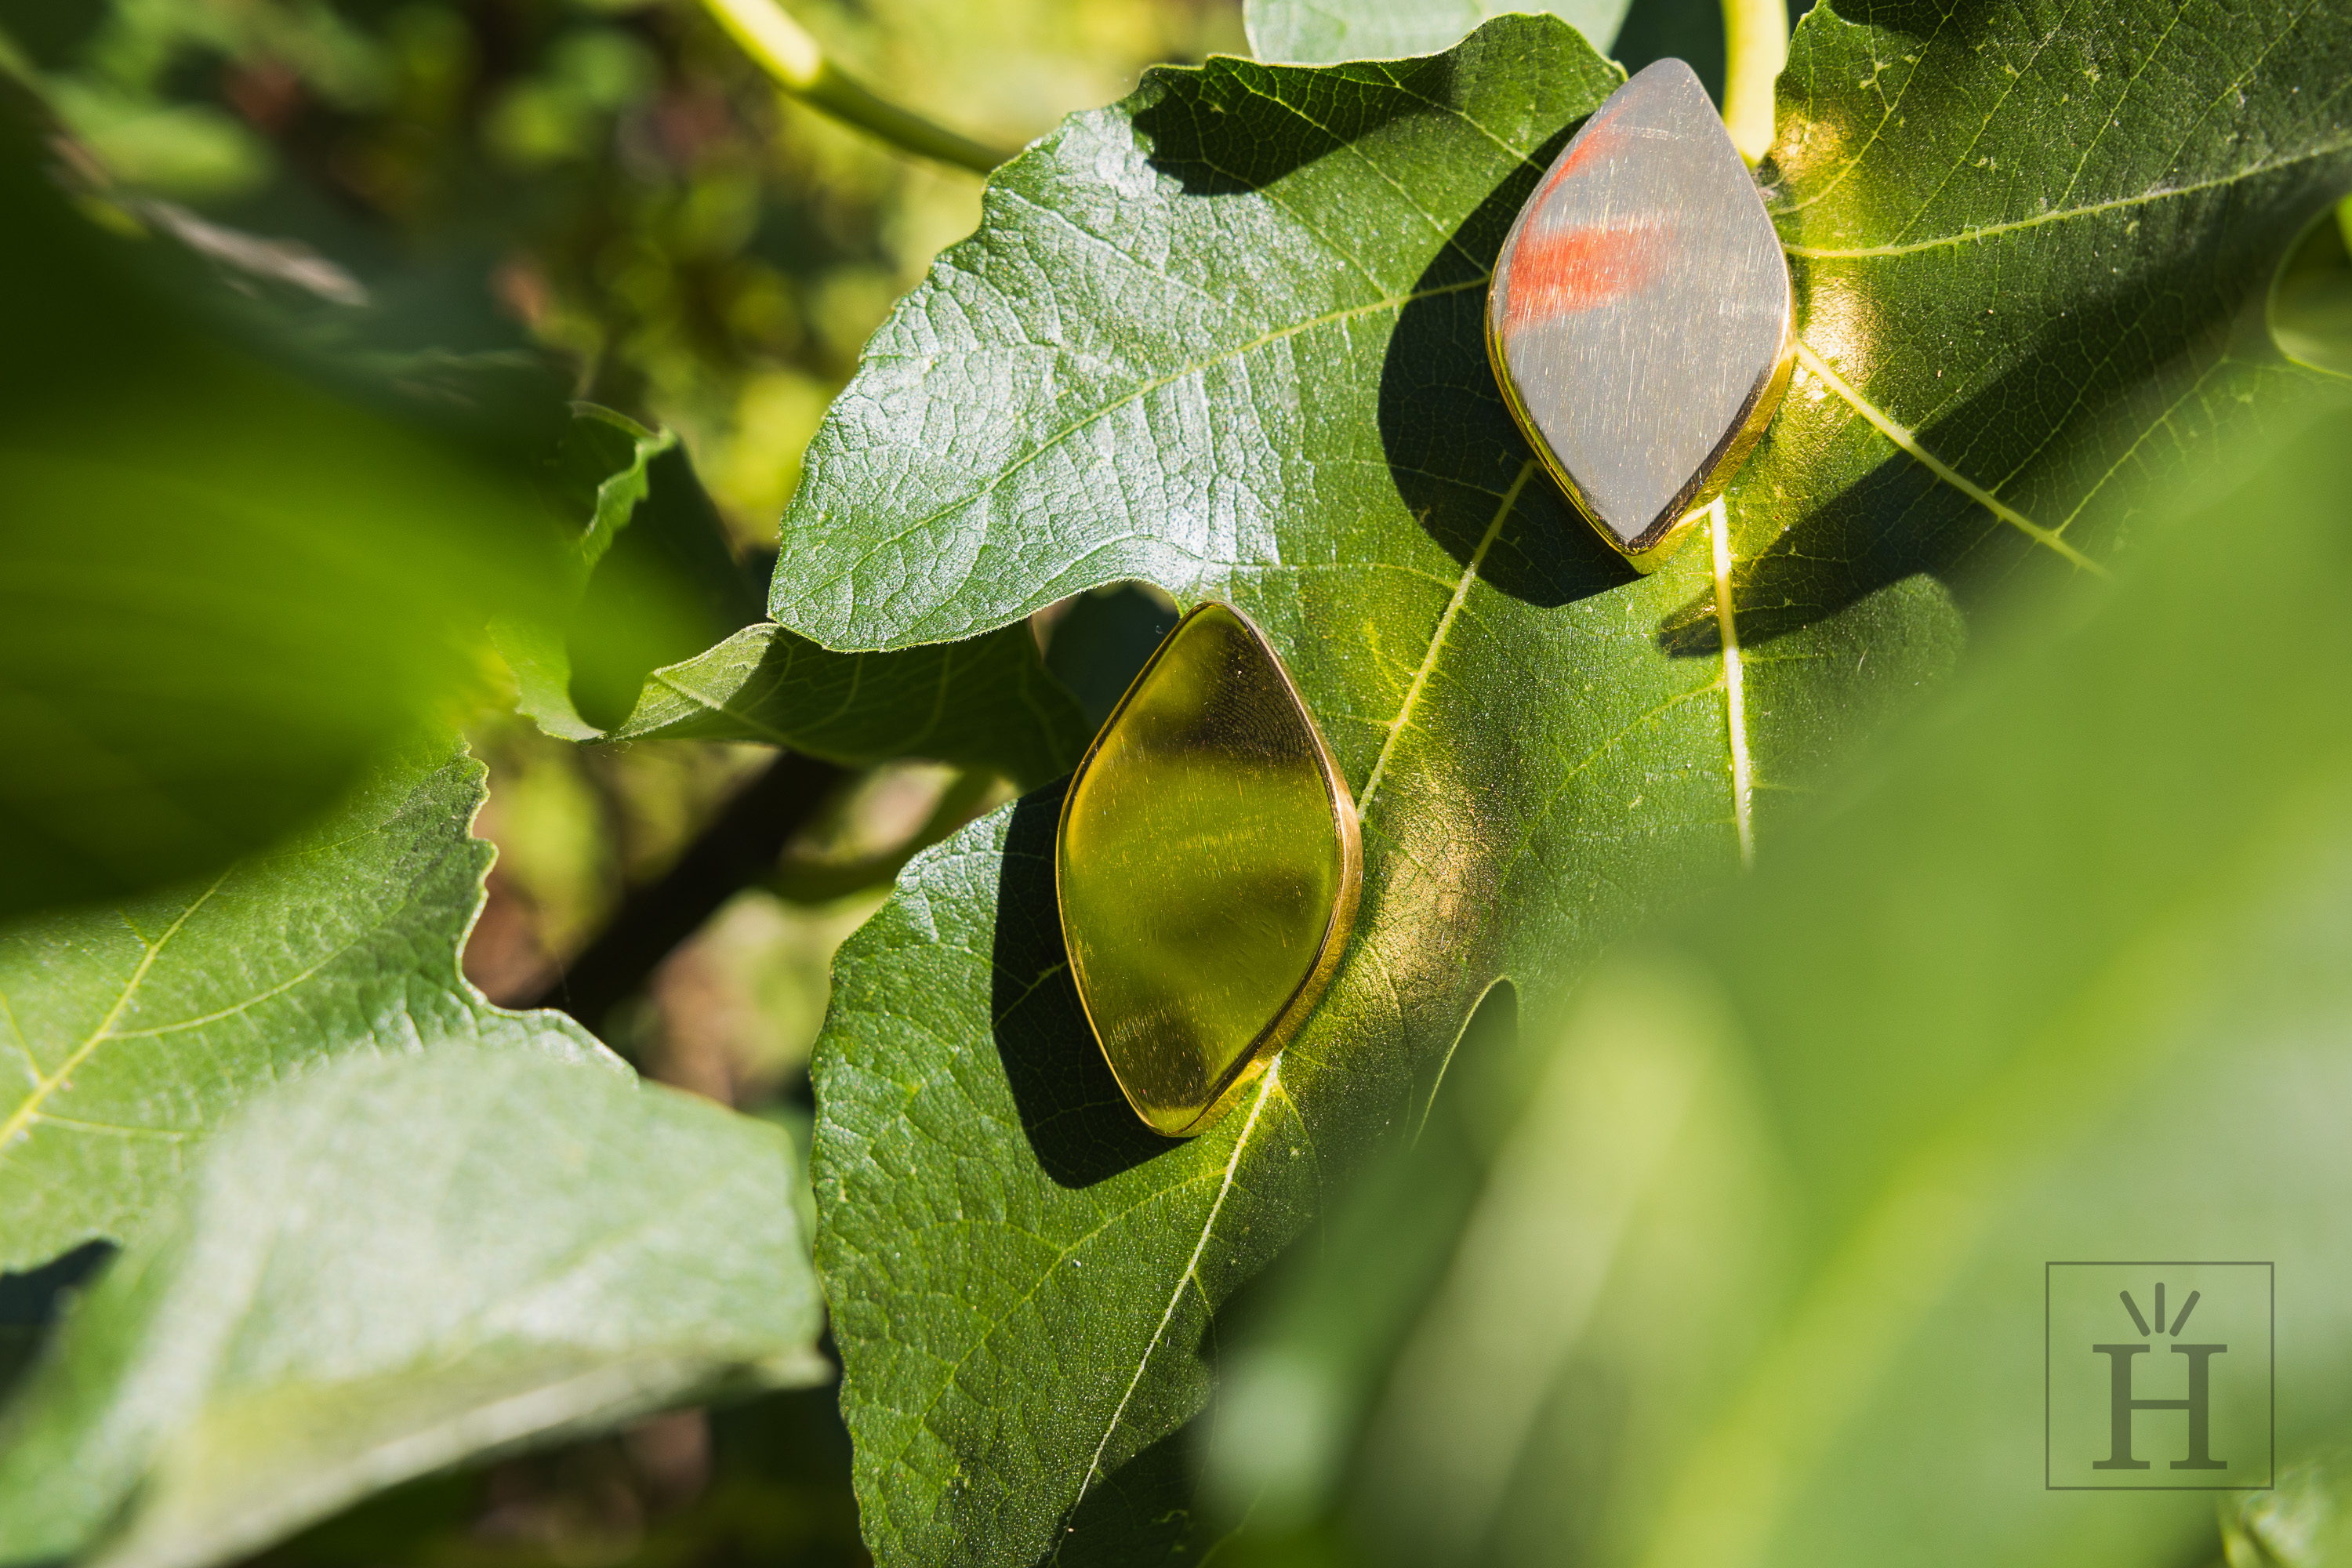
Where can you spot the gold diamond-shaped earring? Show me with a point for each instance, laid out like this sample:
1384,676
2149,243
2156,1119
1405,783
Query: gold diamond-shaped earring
1207,866
1640,315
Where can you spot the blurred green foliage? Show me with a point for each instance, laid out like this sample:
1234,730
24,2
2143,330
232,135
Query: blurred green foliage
611,177
1741,1261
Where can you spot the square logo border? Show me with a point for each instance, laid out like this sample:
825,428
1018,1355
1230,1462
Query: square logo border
2271,1268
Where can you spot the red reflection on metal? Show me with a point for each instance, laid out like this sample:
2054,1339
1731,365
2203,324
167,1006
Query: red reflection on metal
1579,268
1598,138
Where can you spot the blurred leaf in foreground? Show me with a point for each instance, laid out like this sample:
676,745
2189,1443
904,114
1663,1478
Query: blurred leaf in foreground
1757,1279
221,587
392,1266
130,1031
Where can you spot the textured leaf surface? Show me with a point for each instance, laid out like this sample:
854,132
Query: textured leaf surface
129,1032
2030,251
987,702
1225,337
394,1265
1325,32
1758,1278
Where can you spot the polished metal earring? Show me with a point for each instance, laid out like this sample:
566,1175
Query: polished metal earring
1640,316
1207,867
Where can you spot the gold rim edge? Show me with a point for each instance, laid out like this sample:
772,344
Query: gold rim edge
1293,1012
1654,545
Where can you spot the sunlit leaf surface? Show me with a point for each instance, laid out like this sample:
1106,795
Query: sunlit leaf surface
1225,337
129,1032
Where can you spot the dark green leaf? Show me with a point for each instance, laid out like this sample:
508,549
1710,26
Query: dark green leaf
1100,642
652,581
1226,337
130,1031
985,703
394,1265
653,584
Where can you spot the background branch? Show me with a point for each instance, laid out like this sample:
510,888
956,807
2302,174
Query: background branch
737,849
797,62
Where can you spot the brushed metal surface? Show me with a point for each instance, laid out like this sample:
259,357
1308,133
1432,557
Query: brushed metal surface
1640,315
1207,867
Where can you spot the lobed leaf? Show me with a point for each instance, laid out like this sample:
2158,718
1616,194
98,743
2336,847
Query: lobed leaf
394,1265
128,1033
1226,337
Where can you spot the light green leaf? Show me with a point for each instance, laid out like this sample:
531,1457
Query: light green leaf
394,1265
2303,1523
1225,337
1325,32
1758,1278
129,1032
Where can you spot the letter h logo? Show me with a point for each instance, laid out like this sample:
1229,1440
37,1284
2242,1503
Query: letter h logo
2089,1400
2200,1403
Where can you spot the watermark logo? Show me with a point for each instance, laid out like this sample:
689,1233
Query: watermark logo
2157,1376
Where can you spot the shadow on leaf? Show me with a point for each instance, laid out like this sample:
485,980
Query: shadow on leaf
1142,1511
2101,367
1232,130
1452,446
1078,1122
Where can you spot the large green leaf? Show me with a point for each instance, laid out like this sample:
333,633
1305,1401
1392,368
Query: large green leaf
129,1032
2031,251
1325,32
394,1265
1225,336
1758,1277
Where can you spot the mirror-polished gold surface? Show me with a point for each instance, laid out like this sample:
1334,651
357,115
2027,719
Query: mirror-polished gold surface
1207,869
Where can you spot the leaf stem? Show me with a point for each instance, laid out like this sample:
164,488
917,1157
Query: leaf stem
797,61
1755,46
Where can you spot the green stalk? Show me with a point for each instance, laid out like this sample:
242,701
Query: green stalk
786,52
1755,46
